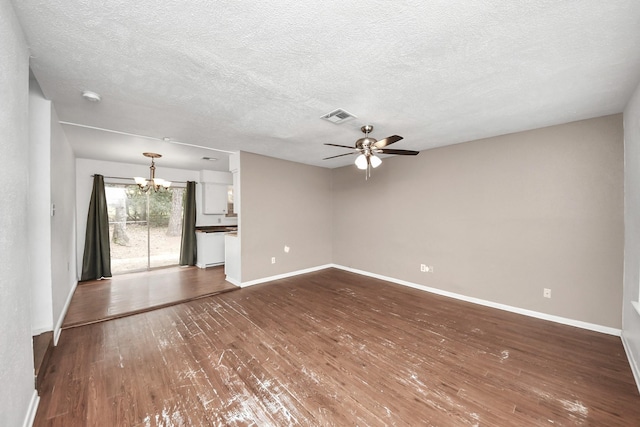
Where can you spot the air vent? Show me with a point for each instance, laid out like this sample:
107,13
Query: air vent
338,116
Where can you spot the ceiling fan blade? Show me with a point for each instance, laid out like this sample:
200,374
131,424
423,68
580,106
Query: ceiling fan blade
343,146
400,152
339,155
387,141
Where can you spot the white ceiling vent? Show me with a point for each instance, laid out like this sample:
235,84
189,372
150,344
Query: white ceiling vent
338,116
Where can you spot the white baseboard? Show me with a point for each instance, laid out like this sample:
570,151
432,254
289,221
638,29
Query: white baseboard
285,275
58,329
635,367
215,264
232,281
33,408
518,310
544,316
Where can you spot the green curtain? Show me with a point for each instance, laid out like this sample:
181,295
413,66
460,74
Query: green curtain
188,253
96,262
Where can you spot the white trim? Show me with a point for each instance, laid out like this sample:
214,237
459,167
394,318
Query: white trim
215,264
536,314
153,138
58,329
284,276
232,281
635,368
530,313
31,411
636,305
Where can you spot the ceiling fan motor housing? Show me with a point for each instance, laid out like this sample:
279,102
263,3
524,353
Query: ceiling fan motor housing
365,143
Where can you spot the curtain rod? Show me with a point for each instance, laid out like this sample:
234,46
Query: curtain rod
128,177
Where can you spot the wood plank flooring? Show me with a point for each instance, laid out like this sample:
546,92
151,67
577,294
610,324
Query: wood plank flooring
42,349
98,300
332,348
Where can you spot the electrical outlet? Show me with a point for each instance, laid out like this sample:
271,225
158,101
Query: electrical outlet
423,268
429,269
273,260
286,249
546,293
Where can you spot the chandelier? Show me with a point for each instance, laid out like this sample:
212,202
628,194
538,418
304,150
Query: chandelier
156,183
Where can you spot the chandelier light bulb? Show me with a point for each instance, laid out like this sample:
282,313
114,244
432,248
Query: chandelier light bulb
140,181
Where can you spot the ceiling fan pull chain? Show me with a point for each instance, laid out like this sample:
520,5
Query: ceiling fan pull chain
368,174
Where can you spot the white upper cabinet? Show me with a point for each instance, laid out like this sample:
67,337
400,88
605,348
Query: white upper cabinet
215,194
214,198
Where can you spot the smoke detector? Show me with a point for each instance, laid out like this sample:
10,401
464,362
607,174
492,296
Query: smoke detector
91,96
338,116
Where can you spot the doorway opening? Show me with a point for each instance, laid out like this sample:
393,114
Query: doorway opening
145,228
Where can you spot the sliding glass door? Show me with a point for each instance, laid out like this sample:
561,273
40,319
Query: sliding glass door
145,228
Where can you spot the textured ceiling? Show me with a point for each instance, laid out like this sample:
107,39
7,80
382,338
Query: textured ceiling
257,76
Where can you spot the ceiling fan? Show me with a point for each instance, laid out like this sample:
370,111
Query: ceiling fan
368,147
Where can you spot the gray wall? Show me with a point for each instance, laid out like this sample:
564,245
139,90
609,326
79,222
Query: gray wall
631,317
283,203
499,219
16,354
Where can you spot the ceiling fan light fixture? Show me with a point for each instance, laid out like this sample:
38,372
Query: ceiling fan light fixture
368,147
361,162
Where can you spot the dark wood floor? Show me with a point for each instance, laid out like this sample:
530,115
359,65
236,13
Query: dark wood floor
123,295
42,349
332,348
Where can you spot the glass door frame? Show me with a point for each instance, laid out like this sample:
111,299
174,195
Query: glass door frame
118,182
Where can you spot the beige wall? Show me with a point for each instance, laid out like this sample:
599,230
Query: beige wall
631,317
283,203
499,219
